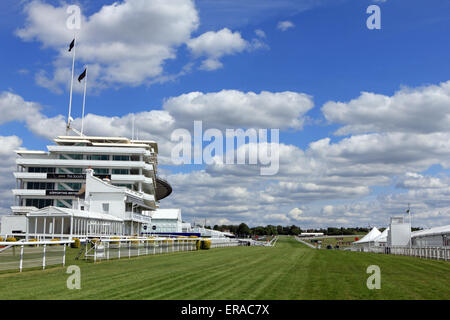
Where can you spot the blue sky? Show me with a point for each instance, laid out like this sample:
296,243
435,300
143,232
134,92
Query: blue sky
328,54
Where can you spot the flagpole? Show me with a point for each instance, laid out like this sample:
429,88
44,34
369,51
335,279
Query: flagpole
84,100
71,87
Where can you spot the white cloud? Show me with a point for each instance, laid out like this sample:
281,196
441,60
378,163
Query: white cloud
129,41
125,43
295,214
285,25
420,110
260,33
7,158
232,108
215,45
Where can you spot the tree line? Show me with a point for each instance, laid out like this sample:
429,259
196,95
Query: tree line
244,229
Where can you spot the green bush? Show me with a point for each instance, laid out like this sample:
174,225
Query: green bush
11,239
76,243
115,242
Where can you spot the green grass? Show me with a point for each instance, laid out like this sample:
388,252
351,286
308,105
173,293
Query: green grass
289,270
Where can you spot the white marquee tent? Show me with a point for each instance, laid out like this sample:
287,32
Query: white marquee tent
370,237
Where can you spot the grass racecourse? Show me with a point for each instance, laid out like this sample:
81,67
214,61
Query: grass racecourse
289,270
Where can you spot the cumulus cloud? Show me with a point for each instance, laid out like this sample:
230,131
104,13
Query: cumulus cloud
7,157
233,108
285,25
419,110
125,43
14,108
215,45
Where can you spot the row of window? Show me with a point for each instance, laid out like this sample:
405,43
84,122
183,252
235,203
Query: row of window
40,185
41,170
101,157
39,203
81,170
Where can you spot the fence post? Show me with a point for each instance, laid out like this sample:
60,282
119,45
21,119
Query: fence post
95,251
146,247
129,249
43,257
64,255
107,254
120,244
21,258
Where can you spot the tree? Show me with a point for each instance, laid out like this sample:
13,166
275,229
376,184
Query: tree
243,229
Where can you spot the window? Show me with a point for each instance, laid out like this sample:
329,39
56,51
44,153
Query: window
101,171
120,171
39,203
97,157
71,156
121,158
105,207
72,186
40,170
61,204
40,186
70,170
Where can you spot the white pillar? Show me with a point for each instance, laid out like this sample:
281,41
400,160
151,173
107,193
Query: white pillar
53,227
45,225
62,227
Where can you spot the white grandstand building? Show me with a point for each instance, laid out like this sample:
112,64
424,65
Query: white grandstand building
109,176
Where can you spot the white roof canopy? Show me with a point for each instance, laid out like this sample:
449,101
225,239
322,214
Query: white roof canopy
432,231
374,233
61,212
383,236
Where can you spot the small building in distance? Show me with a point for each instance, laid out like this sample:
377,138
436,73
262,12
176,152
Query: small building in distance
399,234
434,237
164,221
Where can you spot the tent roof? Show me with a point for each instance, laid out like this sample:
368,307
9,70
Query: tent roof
383,236
432,231
370,236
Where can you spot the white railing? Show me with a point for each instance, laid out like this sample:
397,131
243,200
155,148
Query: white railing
106,249
223,243
437,253
304,242
29,254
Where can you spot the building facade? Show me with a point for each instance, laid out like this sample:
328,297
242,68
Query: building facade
55,177
111,178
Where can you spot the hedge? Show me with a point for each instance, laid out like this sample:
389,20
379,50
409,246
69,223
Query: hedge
11,239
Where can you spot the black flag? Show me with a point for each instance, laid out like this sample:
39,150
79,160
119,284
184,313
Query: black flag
81,76
72,44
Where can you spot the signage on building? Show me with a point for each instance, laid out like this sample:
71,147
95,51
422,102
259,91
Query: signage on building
69,176
60,193
74,176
